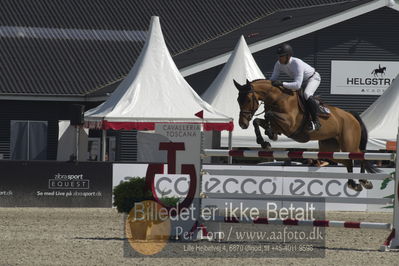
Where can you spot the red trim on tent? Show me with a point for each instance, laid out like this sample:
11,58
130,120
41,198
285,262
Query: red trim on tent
128,125
200,114
219,126
151,125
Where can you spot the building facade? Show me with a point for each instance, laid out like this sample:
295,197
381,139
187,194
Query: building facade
50,62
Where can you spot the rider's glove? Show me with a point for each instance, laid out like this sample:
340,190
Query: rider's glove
277,83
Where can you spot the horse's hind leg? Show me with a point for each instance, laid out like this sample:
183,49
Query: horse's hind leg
350,143
332,145
364,182
351,183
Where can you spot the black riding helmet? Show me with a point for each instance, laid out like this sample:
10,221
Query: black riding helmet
284,49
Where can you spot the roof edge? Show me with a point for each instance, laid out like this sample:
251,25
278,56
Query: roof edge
54,98
292,34
392,4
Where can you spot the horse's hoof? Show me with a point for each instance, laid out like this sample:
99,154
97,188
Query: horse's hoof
352,185
366,184
266,145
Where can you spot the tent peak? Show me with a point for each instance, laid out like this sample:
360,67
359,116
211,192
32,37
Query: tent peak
154,91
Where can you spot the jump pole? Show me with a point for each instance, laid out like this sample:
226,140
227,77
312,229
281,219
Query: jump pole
391,243
312,223
300,154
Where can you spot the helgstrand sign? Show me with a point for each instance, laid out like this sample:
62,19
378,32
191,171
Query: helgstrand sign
362,77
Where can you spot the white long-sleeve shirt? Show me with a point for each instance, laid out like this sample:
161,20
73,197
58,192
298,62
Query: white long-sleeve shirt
295,69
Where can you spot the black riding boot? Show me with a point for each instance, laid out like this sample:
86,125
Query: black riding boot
314,125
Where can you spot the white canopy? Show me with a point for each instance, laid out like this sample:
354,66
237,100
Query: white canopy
382,117
222,95
154,91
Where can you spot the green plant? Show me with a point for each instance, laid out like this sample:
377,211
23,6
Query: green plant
384,184
127,193
170,201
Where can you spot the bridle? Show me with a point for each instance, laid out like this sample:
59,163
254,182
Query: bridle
250,114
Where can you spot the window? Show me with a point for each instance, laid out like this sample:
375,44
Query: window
28,140
94,146
94,149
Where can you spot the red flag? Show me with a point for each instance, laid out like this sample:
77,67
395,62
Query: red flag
200,114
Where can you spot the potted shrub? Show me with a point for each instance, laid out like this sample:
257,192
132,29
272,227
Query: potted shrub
127,193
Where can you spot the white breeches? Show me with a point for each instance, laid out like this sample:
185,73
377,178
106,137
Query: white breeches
312,85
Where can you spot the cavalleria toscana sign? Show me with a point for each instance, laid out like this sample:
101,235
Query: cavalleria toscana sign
362,77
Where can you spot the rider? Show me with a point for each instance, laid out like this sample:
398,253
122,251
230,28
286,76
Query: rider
304,76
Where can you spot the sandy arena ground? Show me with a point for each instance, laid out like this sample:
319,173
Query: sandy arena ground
44,236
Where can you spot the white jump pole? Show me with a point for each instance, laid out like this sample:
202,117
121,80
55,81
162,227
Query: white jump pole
300,154
312,223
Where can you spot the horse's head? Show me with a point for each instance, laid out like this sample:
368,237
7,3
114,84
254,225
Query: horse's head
248,101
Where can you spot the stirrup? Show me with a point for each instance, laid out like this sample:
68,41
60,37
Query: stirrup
314,126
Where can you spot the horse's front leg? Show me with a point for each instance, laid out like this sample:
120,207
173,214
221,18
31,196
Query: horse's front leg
267,125
259,139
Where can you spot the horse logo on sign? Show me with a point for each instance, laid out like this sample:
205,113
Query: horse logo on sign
380,70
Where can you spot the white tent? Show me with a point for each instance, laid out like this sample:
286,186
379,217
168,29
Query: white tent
222,95
382,117
154,91
67,142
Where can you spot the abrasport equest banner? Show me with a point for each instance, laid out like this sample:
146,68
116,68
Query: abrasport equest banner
362,77
55,184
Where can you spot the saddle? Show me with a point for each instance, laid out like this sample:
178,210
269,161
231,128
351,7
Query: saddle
301,134
323,110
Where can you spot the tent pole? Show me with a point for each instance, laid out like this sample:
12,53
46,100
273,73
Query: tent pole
103,144
77,132
230,159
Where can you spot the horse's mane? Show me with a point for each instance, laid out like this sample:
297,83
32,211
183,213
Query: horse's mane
258,80
283,90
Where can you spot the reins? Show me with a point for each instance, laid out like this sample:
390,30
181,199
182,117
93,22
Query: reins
251,90
264,110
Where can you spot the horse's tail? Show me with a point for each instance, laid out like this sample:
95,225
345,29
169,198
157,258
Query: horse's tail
363,132
363,143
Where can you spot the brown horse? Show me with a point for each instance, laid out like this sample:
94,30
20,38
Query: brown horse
340,130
